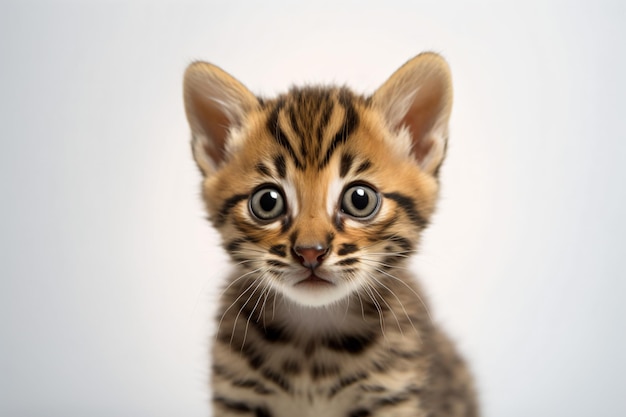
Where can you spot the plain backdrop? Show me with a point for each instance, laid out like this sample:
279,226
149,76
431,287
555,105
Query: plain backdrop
109,270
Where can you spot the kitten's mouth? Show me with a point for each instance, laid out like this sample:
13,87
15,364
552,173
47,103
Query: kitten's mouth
313,279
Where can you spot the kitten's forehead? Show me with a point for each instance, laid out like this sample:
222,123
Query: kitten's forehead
310,124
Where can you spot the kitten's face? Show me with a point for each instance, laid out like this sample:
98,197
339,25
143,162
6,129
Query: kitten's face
316,195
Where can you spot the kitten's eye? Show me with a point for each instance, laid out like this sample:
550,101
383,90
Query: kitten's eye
360,201
267,204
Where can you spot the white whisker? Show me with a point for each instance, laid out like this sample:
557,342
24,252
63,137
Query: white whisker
410,289
366,288
262,280
399,302
232,334
219,325
388,306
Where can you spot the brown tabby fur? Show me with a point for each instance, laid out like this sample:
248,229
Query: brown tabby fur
363,344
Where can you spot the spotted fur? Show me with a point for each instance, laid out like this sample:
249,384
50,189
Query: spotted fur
320,316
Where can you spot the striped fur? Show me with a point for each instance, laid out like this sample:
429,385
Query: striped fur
320,316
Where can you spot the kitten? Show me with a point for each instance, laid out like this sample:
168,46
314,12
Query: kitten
320,196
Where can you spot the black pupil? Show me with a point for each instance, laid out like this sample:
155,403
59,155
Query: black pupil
268,201
360,199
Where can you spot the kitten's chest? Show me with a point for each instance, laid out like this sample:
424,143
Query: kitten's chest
310,402
325,382
338,396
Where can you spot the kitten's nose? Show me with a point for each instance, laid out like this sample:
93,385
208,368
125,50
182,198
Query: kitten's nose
310,256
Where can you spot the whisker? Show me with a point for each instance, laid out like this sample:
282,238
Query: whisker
274,306
374,262
245,261
237,279
262,280
247,250
219,325
399,302
361,302
345,314
267,291
378,308
389,307
232,334
410,289
401,254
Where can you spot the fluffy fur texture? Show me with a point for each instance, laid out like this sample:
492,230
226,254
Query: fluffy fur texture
320,196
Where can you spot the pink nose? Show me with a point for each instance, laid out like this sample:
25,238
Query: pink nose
310,256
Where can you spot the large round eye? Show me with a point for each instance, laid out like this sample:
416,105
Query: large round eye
360,201
267,203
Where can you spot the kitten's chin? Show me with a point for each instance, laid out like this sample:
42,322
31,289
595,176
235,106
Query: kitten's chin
315,292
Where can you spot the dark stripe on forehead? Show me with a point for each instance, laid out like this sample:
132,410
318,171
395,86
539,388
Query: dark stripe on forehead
277,132
308,112
323,123
280,165
295,124
350,123
363,167
346,164
263,170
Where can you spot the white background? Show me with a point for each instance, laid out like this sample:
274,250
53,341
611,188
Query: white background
108,269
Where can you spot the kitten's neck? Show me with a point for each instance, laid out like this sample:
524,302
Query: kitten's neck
339,317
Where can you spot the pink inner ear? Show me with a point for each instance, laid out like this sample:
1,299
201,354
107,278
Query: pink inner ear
421,118
419,126
215,126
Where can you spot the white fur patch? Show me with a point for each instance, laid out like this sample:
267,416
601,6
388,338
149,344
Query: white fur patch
333,195
400,105
291,196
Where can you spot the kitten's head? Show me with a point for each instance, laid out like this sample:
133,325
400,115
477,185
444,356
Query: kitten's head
320,193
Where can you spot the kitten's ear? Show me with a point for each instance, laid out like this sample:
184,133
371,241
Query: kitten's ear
418,96
216,104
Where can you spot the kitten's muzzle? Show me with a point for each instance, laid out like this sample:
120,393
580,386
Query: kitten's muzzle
310,256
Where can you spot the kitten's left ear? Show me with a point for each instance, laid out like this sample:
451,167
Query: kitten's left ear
216,104
418,96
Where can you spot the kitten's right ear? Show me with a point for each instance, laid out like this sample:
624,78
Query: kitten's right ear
216,104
